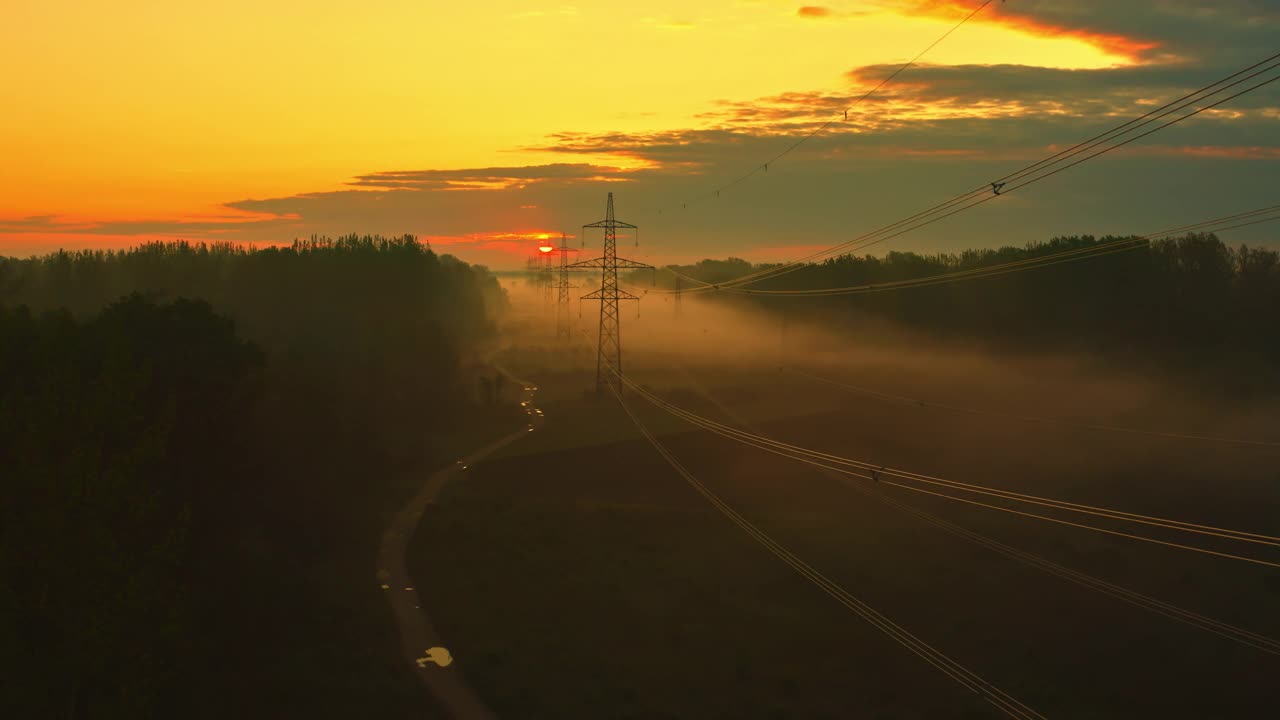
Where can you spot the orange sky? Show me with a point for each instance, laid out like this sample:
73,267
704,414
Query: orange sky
140,110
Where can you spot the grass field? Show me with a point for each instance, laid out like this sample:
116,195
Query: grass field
577,575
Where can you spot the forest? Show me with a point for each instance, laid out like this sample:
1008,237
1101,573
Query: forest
200,446
1192,295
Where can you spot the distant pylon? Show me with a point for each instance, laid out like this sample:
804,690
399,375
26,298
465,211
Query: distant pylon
609,342
546,277
677,300
563,325
534,268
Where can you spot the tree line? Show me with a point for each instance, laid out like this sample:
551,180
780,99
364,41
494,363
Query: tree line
1189,294
199,447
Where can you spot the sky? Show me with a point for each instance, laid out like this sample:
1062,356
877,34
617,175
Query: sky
482,126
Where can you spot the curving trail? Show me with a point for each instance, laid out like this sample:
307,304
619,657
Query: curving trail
419,641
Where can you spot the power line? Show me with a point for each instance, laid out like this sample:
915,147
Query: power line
1099,250
876,476
843,115
952,669
1040,170
1156,521
1246,219
1119,592
842,463
1032,418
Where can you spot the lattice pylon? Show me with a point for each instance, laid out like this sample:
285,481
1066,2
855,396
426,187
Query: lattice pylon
564,326
609,338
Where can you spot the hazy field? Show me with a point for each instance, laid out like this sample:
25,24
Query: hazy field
578,575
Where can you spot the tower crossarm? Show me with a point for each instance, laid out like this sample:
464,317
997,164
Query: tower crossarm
622,263
633,264
600,295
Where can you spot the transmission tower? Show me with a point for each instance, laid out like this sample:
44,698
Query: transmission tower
677,296
563,329
546,277
535,277
609,343
540,270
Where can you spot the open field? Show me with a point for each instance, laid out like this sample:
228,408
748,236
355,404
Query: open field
579,576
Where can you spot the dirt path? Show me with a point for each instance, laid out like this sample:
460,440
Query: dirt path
419,641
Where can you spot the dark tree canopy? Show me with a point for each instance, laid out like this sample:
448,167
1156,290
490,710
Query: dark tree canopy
195,476
1189,293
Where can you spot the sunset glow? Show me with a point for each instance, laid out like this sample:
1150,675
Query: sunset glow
174,120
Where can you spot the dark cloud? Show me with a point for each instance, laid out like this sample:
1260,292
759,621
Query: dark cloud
1119,86
814,11
1191,30
933,90
211,225
940,132
30,223
480,177
833,190
839,186
1015,135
